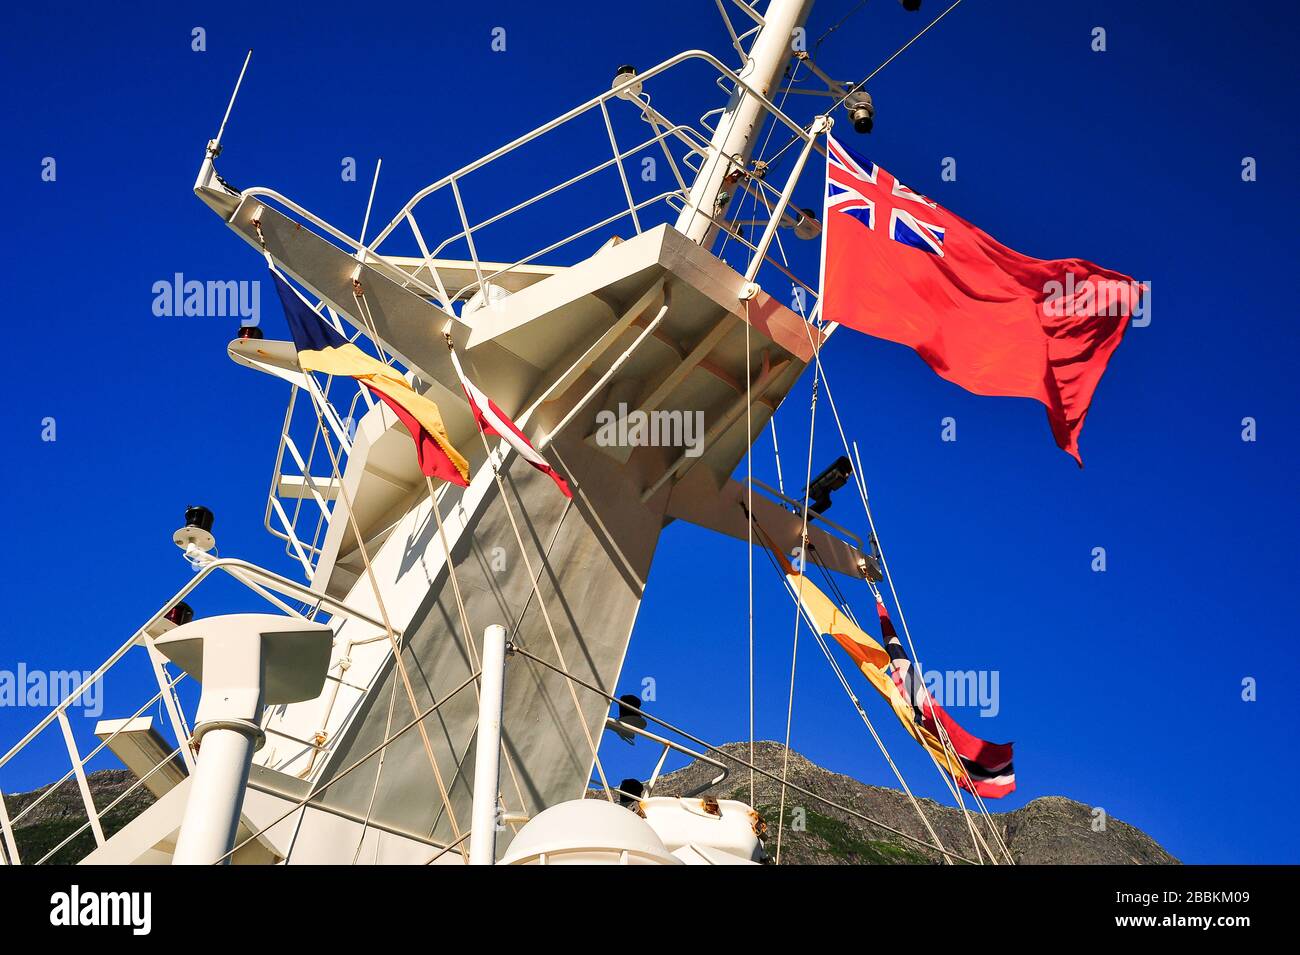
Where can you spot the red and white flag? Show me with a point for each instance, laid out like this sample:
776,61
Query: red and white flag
987,766
492,420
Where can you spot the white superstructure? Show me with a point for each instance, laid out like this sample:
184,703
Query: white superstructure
382,764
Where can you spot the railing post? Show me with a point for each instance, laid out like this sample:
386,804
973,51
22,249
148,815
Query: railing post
80,771
487,753
179,729
820,125
10,844
622,173
469,234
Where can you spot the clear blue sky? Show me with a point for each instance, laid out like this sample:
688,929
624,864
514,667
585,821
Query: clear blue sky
1121,689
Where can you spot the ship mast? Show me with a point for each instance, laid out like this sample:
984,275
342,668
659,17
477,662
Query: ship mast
741,120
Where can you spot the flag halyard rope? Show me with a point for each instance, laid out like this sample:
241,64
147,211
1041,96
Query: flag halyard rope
794,650
860,484
770,547
723,754
467,632
541,603
392,639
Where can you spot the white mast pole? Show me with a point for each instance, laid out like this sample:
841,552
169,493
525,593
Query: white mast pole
487,753
740,122
216,799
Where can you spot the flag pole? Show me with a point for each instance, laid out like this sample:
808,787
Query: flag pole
207,170
742,117
821,124
214,147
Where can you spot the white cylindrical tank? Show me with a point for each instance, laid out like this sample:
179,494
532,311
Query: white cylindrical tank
727,825
588,832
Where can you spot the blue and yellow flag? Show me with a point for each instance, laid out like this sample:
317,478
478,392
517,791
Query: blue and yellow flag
321,348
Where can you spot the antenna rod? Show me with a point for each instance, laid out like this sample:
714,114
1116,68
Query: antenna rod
215,145
740,122
371,201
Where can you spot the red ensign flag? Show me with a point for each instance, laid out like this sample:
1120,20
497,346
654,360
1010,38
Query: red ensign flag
983,316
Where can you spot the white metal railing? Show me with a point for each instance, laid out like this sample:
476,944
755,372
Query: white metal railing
427,279
301,524
319,419
312,494
669,746
262,582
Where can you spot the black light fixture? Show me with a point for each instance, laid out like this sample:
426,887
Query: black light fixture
177,616
181,614
196,515
250,332
630,791
628,704
911,6
196,535
830,480
622,75
862,110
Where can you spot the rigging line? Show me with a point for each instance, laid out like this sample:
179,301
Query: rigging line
794,650
954,791
541,605
359,293
860,483
803,543
379,772
319,789
723,754
749,526
857,704
447,848
762,150
916,658
897,53
388,627
843,20
466,631
749,430
874,73
776,453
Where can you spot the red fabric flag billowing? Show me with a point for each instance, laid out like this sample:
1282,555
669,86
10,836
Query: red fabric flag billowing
429,453
981,315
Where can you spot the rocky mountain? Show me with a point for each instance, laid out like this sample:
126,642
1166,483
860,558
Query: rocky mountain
61,813
1048,830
